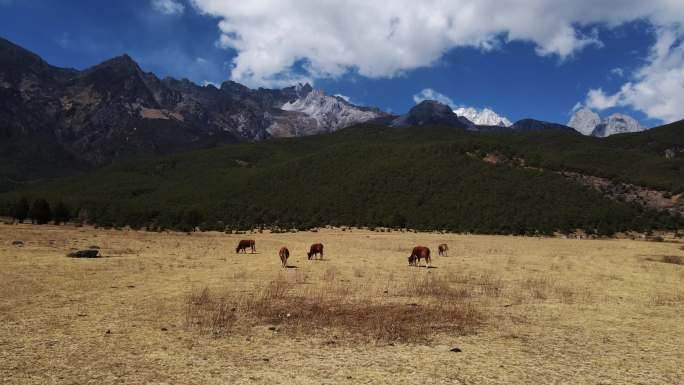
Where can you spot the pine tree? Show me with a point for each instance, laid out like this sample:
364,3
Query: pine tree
20,211
61,213
40,212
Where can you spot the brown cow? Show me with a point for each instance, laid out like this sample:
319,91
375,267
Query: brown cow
316,248
284,254
418,253
244,244
443,249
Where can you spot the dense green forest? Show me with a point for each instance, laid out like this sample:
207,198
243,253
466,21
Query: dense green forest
422,177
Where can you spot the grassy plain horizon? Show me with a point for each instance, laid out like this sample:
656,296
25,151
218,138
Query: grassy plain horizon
544,310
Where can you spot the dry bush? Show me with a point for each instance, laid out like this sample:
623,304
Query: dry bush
442,285
668,299
366,320
538,287
566,295
300,277
673,259
332,306
434,286
490,285
330,274
239,275
209,314
276,288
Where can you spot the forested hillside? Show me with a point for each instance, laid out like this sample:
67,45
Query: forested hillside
420,177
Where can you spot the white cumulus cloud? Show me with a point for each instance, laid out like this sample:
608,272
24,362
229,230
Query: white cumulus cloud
280,42
168,7
597,99
385,39
619,72
656,89
430,94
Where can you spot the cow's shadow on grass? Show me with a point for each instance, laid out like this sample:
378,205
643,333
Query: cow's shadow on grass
291,267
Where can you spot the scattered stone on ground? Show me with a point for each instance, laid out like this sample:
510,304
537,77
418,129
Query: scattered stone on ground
84,254
17,243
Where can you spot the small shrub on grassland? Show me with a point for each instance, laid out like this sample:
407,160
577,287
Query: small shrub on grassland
668,299
209,314
673,259
332,306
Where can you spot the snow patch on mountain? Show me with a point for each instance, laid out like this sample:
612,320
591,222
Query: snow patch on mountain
331,113
484,117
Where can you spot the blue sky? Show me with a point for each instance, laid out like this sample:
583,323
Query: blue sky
514,69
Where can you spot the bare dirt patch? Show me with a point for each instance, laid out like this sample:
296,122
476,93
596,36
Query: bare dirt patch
337,309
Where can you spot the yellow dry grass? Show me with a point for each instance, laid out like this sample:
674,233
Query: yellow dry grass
544,311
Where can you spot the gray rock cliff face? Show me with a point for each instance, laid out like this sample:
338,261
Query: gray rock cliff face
589,122
115,110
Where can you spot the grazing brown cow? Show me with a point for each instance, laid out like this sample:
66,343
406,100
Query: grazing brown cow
316,248
418,253
284,254
244,244
443,249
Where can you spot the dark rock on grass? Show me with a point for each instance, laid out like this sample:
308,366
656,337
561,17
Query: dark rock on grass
84,254
673,259
17,243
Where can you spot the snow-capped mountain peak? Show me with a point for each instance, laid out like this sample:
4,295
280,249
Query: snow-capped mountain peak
589,122
484,117
329,111
617,124
585,121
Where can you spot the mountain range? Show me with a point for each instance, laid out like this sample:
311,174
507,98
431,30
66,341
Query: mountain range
57,122
115,110
124,147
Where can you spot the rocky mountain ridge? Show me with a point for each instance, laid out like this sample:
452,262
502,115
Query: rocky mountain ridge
432,112
115,110
588,122
484,117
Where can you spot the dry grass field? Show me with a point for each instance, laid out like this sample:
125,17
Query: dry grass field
172,308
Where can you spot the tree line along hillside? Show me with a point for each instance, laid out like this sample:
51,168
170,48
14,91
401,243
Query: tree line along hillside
423,177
